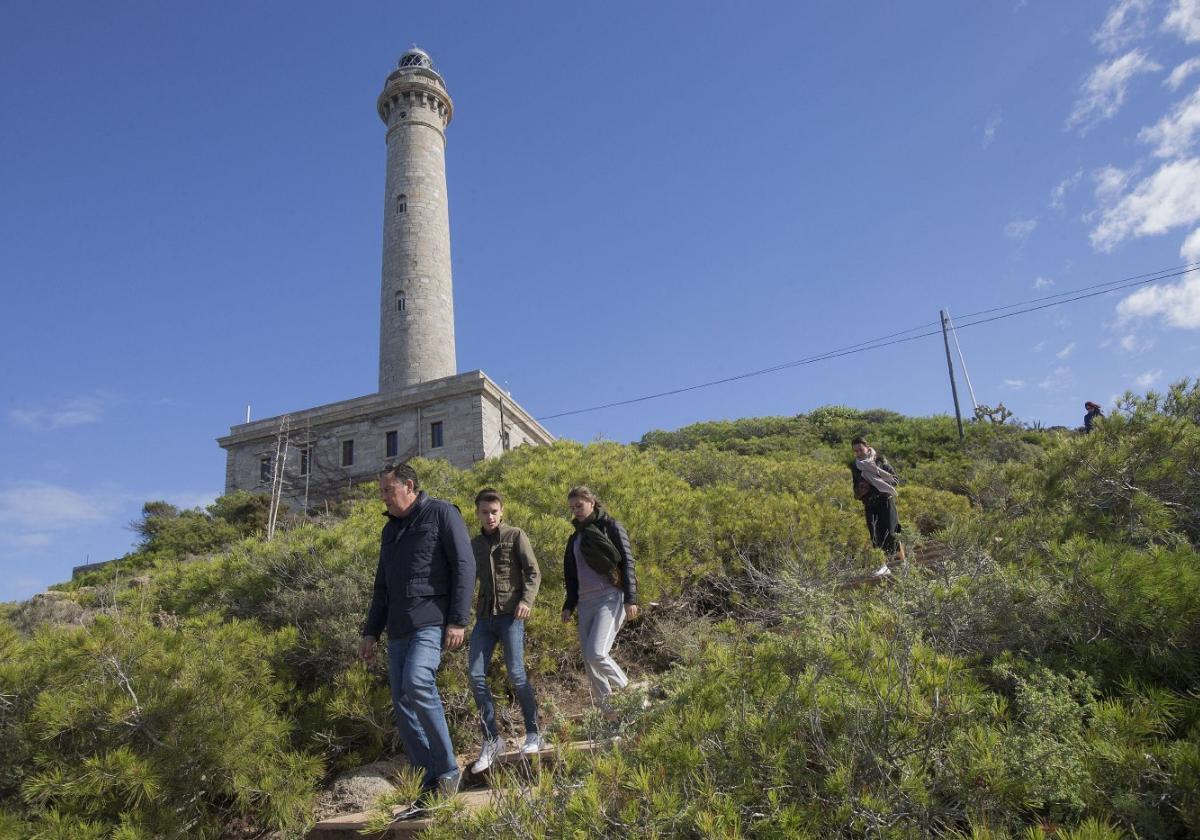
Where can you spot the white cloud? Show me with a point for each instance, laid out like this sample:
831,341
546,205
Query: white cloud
1124,24
186,499
1103,92
1181,72
1058,195
79,411
1131,343
1058,380
1066,351
1020,229
1178,304
1042,282
1110,183
38,506
1167,199
1147,379
1039,347
1174,134
1015,384
1190,250
989,128
1184,19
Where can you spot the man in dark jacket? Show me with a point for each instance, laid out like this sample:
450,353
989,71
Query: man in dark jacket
422,594
508,584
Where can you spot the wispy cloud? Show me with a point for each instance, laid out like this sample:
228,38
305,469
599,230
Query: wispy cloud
1042,282
1167,199
1175,133
1058,195
1147,379
1020,229
1015,384
1176,305
1066,351
991,126
1124,24
1057,380
1190,250
79,411
1039,347
1110,183
1103,92
1184,20
39,506
1181,72
185,499
1133,343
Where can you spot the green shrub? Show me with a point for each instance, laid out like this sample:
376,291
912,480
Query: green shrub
143,731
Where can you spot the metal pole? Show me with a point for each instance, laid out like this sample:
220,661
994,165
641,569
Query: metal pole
953,385
963,361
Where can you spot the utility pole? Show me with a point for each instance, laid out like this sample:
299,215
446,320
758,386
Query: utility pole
953,385
963,361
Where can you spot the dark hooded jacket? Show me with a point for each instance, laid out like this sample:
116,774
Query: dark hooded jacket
622,576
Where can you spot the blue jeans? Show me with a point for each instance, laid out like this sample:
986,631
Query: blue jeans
510,633
420,718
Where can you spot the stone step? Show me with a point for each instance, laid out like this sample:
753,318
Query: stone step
346,826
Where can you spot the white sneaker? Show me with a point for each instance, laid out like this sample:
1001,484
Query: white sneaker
533,744
487,755
882,571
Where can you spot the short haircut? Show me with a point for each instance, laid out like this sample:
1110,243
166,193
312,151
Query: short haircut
584,492
859,440
400,472
487,494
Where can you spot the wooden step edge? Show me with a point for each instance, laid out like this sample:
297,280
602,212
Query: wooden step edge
550,753
345,826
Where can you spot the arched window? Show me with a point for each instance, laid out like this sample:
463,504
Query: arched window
401,203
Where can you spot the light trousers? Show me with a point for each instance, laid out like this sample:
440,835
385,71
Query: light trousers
599,620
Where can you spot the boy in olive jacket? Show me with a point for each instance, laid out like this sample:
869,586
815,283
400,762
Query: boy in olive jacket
508,583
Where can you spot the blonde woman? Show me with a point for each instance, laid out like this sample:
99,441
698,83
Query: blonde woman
599,572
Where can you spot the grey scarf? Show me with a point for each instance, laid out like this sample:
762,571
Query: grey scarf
881,480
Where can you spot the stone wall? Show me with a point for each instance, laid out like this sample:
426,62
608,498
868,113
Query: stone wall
467,407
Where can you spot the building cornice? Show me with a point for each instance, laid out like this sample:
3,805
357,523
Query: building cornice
372,405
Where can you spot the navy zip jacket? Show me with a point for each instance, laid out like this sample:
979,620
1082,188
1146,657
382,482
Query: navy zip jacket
426,572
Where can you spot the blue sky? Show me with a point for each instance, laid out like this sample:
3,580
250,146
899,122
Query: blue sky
642,196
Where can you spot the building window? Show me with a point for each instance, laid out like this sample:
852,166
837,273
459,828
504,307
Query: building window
401,201
401,304
392,444
347,453
264,469
435,435
304,455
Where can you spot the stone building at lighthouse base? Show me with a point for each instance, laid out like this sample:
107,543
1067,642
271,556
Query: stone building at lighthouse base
424,407
323,451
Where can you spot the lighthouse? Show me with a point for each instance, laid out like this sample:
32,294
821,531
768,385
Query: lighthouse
416,324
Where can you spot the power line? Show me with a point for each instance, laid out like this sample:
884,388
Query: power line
891,339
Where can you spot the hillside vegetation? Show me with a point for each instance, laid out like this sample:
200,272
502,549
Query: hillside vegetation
1039,677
